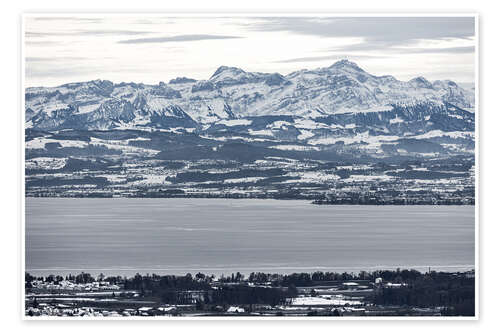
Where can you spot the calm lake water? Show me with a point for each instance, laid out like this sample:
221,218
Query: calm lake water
175,236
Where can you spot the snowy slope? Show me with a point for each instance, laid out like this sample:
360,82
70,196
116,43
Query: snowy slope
232,93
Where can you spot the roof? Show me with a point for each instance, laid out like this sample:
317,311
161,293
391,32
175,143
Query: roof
235,309
145,308
350,284
165,309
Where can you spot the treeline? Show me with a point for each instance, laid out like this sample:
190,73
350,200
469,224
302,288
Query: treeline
197,176
202,281
454,292
311,279
156,284
417,198
56,279
242,294
228,290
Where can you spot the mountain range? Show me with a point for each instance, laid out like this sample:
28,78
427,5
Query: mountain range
230,94
332,132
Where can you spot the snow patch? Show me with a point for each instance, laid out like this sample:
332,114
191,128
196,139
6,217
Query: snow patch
46,163
295,147
304,134
278,124
235,122
396,120
39,143
373,141
260,132
243,180
439,133
310,300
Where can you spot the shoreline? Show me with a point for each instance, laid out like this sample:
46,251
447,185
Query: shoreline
228,270
314,202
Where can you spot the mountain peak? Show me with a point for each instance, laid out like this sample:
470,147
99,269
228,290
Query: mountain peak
99,82
181,79
223,69
421,82
345,63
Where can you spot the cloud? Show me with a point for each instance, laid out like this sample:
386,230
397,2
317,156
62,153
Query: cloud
53,59
450,50
391,51
56,70
44,43
111,32
332,57
37,34
439,46
156,20
396,49
376,32
178,38
67,18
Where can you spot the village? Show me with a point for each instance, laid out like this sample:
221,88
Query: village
261,294
433,182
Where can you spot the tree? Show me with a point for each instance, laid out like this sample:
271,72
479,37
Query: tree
84,278
292,290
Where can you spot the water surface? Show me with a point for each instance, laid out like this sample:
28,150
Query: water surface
175,236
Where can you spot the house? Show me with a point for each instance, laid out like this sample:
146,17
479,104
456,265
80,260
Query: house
145,311
350,285
235,309
166,310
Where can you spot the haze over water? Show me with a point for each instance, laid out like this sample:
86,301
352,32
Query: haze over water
176,236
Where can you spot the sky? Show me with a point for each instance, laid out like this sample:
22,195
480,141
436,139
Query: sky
153,48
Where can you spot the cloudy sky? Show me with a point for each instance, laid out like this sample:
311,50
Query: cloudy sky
150,49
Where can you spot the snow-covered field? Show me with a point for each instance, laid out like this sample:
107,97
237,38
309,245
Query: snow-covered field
311,300
373,141
47,163
294,147
235,122
39,143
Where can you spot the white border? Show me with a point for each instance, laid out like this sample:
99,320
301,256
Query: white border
253,14
22,146
476,160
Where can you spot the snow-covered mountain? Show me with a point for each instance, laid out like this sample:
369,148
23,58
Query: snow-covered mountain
231,94
335,132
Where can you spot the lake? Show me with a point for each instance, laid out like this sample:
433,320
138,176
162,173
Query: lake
174,236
